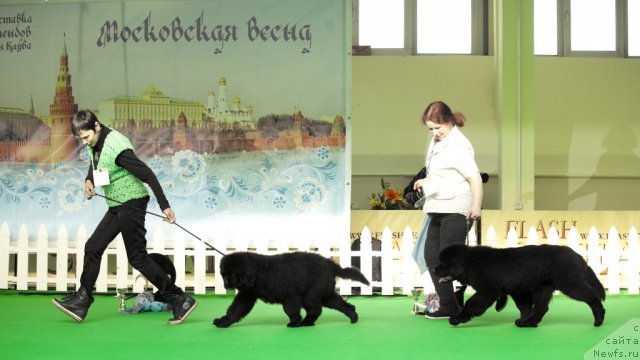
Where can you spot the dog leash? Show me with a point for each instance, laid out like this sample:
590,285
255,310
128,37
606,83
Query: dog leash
470,222
162,217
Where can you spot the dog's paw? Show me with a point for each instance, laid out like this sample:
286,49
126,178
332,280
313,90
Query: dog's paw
294,324
221,322
524,323
353,317
456,320
599,319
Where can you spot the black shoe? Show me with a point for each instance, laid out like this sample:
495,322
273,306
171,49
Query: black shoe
436,315
183,305
75,305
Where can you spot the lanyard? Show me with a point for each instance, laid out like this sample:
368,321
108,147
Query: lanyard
430,157
91,155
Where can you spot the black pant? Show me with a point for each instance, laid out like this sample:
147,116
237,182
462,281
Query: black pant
444,230
127,219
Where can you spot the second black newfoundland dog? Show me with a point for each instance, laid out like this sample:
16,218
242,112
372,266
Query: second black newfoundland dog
530,274
297,280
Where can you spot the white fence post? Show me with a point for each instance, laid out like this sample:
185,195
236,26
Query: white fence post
42,255
633,262
532,237
573,240
612,263
512,237
491,237
199,268
365,260
593,250
553,238
23,258
386,255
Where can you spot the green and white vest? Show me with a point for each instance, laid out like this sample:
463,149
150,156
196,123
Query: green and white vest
123,185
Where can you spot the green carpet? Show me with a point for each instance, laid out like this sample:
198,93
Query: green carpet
32,328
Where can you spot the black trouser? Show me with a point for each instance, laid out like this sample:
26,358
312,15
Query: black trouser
129,220
444,230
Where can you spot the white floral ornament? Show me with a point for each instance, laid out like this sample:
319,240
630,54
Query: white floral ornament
71,196
309,194
188,165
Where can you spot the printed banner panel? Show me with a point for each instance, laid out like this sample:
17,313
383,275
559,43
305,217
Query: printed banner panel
523,222
239,108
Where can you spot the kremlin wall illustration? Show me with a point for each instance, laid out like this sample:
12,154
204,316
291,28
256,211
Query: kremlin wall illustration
159,125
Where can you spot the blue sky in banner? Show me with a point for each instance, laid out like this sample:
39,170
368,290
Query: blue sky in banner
276,56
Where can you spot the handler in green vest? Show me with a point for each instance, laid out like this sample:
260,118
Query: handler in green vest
121,174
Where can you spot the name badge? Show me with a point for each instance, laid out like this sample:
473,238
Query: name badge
101,177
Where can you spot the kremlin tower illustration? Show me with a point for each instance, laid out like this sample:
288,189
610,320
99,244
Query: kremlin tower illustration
62,142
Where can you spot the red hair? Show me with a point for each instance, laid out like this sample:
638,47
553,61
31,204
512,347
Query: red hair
440,113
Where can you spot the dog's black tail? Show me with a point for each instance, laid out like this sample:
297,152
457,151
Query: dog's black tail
592,280
350,273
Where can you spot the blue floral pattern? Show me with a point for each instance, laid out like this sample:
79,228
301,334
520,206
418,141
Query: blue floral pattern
71,195
279,202
309,181
188,165
310,194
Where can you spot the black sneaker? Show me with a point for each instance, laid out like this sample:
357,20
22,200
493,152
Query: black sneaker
75,305
183,305
436,315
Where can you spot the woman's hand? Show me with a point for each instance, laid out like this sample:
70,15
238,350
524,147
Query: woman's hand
474,212
418,185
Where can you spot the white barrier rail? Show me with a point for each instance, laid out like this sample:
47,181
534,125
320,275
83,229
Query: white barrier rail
616,260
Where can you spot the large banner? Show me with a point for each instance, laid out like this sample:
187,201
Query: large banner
523,222
239,107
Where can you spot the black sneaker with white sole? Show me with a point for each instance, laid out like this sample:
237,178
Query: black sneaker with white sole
75,305
437,315
183,305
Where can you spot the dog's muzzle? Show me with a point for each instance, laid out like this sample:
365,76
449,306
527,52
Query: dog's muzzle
445,279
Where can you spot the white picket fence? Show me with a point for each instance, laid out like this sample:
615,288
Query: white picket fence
618,264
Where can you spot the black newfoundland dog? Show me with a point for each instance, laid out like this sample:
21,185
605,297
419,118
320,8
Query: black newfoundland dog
529,274
297,280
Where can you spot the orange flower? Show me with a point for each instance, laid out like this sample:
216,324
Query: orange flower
392,194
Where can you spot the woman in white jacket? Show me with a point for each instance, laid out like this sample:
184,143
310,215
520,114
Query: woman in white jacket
453,194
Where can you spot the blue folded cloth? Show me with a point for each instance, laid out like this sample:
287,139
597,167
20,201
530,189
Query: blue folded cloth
418,248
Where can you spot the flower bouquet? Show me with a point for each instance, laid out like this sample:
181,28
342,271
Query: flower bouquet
389,199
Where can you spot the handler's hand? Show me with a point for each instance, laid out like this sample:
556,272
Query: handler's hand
89,190
417,185
474,212
170,216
